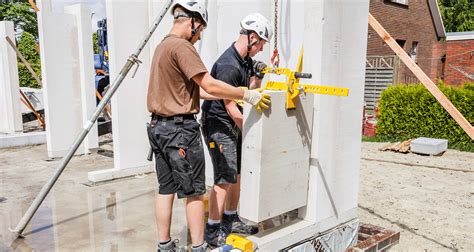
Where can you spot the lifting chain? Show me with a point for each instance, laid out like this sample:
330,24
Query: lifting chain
276,56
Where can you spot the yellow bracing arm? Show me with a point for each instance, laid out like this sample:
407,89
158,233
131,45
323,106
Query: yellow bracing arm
293,87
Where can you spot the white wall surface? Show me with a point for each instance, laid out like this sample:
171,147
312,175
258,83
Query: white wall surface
10,115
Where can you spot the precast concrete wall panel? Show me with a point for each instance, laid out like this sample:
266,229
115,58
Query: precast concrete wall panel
276,153
60,77
10,115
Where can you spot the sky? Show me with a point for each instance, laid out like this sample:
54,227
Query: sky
97,6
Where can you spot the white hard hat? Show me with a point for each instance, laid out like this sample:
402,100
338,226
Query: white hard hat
259,24
197,6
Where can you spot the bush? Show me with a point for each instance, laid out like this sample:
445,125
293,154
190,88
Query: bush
410,111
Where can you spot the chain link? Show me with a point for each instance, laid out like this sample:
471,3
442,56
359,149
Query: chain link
276,56
275,11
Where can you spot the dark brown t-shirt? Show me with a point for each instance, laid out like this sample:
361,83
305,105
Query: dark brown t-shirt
171,91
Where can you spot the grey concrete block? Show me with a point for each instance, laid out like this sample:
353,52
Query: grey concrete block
429,146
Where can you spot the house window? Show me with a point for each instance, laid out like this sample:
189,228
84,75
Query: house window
404,2
401,42
414,50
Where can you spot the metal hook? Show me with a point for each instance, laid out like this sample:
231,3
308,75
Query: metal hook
136,61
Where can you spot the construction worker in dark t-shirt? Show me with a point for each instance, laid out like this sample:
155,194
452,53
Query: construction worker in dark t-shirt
222,125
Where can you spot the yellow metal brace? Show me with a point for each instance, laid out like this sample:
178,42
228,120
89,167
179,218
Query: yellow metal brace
293,87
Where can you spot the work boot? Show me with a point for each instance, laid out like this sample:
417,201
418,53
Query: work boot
200,248
233,224
214,235
168,247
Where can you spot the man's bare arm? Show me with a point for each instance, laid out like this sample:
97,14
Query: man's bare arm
217,88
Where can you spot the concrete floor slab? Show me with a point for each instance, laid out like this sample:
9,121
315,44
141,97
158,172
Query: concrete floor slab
115,216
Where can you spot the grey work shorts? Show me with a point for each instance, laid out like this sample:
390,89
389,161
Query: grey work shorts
179,156
224,142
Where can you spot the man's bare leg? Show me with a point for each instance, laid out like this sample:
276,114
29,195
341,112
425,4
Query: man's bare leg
233,196
217,199
195,218
163,214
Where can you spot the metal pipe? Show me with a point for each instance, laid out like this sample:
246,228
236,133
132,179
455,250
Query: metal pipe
132,60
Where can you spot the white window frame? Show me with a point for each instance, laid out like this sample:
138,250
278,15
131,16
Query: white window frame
404,2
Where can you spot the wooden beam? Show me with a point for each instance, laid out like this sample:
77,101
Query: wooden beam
28,66
425,80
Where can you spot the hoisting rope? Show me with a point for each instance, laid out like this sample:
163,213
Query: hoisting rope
276,56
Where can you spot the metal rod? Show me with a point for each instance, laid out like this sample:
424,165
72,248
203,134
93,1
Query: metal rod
107,107
132,60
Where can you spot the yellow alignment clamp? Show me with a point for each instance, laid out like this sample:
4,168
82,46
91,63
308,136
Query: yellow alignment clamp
239,242
293,87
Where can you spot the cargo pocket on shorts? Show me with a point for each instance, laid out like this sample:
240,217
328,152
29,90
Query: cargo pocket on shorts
182,170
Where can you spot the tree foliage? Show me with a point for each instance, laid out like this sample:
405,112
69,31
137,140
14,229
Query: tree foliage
458,15
94,43
28,48
22,15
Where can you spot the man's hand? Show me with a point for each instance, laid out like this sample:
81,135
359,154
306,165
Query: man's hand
258,67
258,99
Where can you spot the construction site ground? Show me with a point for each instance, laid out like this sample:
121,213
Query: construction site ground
429,199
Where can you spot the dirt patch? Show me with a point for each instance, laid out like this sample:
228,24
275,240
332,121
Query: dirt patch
429,199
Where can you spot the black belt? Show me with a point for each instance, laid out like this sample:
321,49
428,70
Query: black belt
175,118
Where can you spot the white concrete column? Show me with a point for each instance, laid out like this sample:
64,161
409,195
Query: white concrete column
86,67
127,23
61,79
334,34
10,115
